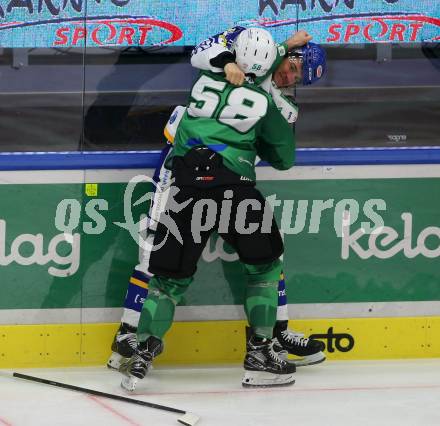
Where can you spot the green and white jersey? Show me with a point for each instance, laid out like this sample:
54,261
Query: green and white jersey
208,49
236,122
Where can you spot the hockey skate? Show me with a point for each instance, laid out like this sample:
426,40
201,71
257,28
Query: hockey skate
264,368
285,342
123,346
279,324
284,326
140,362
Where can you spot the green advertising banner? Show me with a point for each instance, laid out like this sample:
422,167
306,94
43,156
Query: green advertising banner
347,240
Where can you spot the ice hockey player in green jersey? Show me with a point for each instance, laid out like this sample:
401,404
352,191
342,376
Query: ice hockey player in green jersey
213,167
218,54
235,122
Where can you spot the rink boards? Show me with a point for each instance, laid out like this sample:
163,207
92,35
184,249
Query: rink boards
366,295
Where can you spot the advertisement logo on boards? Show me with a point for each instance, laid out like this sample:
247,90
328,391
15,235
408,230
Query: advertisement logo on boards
341,342
29,249
384,242
115,31
67,25
357,238
355,26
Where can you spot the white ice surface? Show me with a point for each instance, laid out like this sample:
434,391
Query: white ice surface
370,393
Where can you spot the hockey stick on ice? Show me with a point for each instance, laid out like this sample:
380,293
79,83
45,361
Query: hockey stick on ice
187,419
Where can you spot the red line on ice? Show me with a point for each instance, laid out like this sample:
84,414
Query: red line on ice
4,422
112,410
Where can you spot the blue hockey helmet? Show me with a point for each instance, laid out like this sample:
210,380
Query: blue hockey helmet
314,62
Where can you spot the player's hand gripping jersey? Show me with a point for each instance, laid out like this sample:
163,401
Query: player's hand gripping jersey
215,52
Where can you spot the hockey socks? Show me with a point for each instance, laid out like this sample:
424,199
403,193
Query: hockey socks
135,297
124,341
158,311
260,306
282,313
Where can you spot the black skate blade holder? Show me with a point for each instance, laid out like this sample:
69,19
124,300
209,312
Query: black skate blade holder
188,419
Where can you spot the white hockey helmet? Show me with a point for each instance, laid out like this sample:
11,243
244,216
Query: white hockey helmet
255,51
